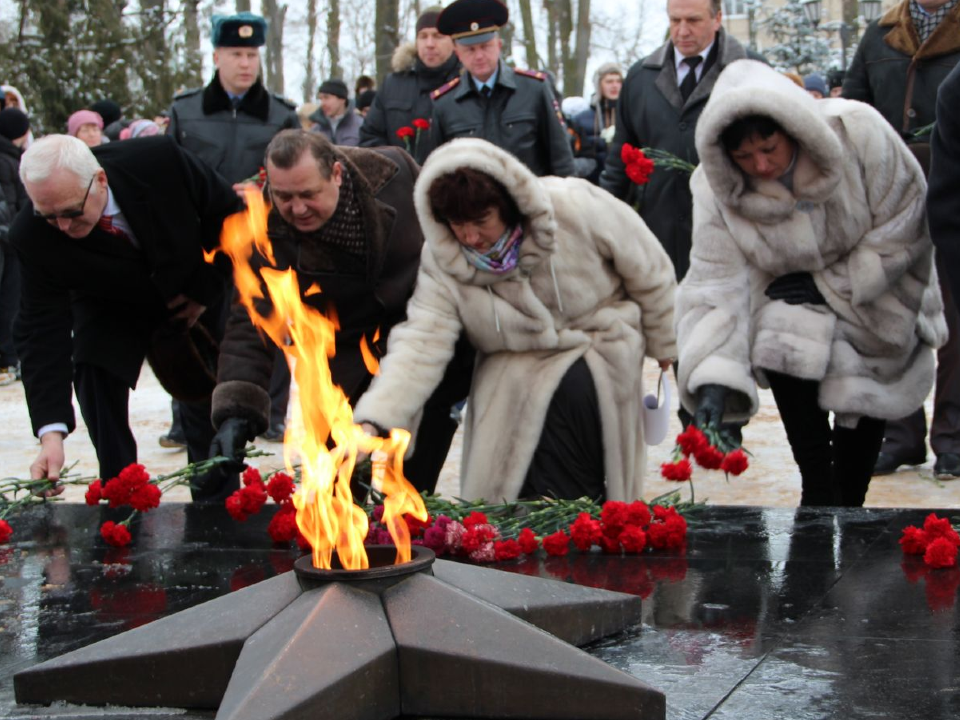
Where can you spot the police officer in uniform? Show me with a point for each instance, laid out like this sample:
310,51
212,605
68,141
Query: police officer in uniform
228,124
514,109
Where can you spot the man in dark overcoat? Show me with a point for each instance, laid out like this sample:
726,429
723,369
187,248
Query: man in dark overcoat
944,180
418,70
343,218
659,105
111,248
899,64
514,109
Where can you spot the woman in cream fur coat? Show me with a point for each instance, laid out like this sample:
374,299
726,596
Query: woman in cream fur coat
811,272
588,292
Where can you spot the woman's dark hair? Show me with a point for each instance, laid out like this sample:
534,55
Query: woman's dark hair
745,128
465,195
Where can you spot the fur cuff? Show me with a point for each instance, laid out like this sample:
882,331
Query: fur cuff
715,370
237,398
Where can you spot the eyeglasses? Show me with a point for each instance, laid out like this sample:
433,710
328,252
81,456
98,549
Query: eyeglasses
68,214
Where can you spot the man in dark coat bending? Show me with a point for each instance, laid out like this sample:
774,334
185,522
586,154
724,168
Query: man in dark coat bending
111,248
343,218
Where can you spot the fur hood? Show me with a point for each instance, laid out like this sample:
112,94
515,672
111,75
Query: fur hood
526,189
404,58
748,87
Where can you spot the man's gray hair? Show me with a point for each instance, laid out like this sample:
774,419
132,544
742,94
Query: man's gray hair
56,153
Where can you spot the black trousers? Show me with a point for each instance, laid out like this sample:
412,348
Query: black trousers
568,462
835,463
279,389
905,439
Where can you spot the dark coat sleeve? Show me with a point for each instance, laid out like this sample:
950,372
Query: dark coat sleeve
41,333
373,132
614,177
856,83
944,179
558,139
213,200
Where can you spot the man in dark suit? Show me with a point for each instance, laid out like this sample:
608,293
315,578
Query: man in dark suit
111,246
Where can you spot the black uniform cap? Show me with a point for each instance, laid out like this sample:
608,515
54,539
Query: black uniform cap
470,22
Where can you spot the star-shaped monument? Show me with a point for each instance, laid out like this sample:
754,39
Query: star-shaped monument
428,638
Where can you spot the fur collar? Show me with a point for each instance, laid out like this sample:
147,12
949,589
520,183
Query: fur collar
944,40
256,102
528,192
748,87
404,58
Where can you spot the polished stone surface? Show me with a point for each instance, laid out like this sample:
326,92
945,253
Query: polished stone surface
770,613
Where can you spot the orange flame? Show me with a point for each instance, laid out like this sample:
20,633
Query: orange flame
369,359
322,435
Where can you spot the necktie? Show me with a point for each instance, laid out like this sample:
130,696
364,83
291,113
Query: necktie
485,91
690,81
105,223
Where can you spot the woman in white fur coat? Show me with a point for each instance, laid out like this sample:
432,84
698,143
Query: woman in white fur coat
811,272
562,290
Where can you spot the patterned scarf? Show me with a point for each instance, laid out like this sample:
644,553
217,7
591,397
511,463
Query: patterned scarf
924,22
502,257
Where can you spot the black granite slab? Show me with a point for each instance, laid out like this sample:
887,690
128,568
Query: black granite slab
770,613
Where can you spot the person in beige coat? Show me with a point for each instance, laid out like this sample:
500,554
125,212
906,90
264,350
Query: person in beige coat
562,290
811,273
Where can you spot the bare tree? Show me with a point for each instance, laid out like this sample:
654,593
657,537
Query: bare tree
529,35
243,6
575,74
310,78
362,55
333,38
386,22
275,15
192,60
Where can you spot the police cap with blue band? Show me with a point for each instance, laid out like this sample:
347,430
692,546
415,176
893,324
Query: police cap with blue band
241,30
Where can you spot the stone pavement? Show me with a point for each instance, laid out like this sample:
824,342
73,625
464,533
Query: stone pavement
771,481
769,613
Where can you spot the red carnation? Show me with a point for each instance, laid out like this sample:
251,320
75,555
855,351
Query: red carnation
114,534
585,532
640,172
6,532
610,544
280,487
405,132
421,124
93,494
528,541
671,534
251,475
506,549
415,526
557,544
253,497
914,541
691,440
735,462
133,476
638,513
679,471
936,527
709,458
235,508
629,154
144,498
475,518
283,526
613,516
941,553
633,539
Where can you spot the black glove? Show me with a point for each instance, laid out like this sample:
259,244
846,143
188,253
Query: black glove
231,440
795,289
711,400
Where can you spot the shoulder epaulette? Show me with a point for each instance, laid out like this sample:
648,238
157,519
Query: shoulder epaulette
289,103
535,74
444,89
187,93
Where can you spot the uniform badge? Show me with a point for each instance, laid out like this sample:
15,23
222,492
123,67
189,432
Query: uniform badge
245,31
474,26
